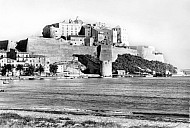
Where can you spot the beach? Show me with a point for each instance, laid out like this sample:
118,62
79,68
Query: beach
123,102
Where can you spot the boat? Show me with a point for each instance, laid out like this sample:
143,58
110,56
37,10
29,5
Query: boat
149,75
41,78
31,78
5,82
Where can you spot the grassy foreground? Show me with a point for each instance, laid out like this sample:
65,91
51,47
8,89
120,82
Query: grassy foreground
13,120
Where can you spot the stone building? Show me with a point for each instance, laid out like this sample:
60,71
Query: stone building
70,28
149,53
122,37
77,40
62,29
89,31
105,56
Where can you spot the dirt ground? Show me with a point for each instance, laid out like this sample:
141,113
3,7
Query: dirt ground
22,119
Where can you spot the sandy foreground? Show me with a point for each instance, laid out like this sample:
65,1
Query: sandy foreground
70,119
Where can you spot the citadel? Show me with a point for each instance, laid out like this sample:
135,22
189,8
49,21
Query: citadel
63,44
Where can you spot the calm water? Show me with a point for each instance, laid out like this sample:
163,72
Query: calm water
118,94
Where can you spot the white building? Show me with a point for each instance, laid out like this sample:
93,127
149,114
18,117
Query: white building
77,40
114,31
61,66
3,58
122,37
70,28
99,25
148,53
22,56
3,54
55,32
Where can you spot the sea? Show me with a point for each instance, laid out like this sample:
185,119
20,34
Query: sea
166,95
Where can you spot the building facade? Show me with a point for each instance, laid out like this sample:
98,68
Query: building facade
148,53
70,28
77,40
106,60
55,32
122,37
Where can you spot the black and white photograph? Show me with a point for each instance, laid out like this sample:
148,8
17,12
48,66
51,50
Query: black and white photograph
94,63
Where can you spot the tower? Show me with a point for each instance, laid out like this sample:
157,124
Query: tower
106,60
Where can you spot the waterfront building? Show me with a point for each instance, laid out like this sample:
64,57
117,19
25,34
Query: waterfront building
37,60
22,56
69,67
3,58
121,72
3,54
3,61
4,45
61,66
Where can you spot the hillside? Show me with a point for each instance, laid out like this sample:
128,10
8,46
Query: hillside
134,64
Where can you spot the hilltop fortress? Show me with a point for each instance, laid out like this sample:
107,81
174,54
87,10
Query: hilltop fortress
62,40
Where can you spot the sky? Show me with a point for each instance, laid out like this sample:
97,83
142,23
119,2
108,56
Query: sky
164,24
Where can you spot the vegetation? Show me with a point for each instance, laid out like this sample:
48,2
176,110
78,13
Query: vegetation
19,68
53,68
7,68
134,64
15,120
40,69
30,70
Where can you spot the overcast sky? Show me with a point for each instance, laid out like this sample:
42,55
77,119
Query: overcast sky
164,24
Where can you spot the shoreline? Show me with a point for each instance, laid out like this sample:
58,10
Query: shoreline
72,77
78,117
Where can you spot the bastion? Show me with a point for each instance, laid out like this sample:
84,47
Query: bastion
56,50
60,50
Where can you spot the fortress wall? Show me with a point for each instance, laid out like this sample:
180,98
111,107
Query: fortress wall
60,50
149,54
160,58
120,51
56,50
154,57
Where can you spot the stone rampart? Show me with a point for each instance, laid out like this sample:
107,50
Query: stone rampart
120,51
57,50
60,50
